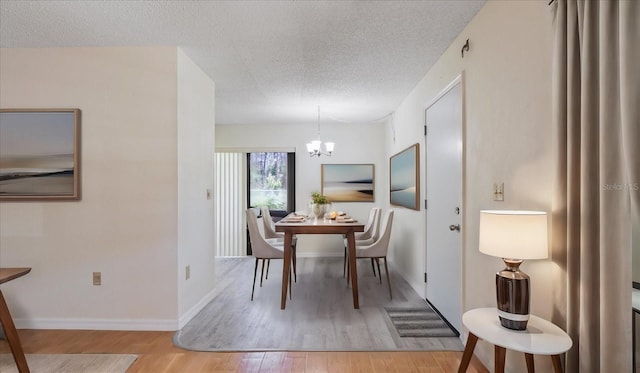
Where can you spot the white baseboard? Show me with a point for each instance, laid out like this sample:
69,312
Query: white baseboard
136,324
116,324
191,313
99,324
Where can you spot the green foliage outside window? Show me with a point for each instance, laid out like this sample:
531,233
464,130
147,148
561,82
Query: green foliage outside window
268,180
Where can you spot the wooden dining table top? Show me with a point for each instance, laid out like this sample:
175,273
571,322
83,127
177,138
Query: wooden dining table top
8,274
318,226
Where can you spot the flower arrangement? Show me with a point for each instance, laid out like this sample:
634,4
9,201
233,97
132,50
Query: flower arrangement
319,199
319,204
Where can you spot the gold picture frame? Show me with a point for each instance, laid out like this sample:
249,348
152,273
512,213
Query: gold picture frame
348,182
39,154
404,178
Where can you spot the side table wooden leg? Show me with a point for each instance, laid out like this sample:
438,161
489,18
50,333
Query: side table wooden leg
500,354
557,364
468,353
12,337
530,366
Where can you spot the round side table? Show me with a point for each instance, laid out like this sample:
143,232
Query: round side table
540,338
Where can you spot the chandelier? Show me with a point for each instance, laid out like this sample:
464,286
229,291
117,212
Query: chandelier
315,146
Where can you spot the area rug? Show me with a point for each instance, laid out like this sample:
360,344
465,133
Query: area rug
319,317
70,363
419,322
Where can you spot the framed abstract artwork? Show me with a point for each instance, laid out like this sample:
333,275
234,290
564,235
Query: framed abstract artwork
348,182
39,154
404,178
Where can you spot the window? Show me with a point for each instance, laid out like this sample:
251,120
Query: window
271,180
271,183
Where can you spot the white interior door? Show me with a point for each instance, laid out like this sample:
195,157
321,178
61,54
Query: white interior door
444,203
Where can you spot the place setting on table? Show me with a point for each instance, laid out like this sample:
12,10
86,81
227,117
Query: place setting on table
294,218
341,217
329,217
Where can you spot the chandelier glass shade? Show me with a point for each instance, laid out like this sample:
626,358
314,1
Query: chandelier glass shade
314,147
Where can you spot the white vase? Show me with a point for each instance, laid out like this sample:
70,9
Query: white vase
320,209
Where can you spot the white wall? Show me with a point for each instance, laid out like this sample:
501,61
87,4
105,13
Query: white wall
129,223
355,143
126,225
507,91
196,126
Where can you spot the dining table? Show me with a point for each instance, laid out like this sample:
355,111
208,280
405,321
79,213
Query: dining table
294,224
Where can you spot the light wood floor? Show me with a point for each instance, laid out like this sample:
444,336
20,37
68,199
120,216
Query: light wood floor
319,317
157,354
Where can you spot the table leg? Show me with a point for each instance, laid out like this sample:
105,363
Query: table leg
12,337
499,356
468,353
286,267
351,240
530,365
557,364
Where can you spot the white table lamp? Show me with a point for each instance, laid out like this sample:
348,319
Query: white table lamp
513,236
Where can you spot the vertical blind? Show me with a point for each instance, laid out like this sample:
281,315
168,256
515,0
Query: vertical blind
229,210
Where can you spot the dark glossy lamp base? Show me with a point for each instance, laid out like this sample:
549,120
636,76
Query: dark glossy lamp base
512,295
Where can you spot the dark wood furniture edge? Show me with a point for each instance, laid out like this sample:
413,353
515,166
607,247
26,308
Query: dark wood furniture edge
351,241
13,273
8,274
499,357
472,339
529,360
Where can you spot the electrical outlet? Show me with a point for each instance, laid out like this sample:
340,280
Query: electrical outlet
498,191
187,272
97,278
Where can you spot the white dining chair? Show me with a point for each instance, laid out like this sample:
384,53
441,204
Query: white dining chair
371,230
372,226
269,227
262,249
270,233
379,248
373,233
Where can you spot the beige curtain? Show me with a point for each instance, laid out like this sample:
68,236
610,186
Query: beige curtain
596,119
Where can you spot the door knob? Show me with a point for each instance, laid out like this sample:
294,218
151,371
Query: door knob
454,227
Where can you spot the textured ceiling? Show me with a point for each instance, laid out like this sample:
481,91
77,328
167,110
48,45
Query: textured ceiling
272,61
